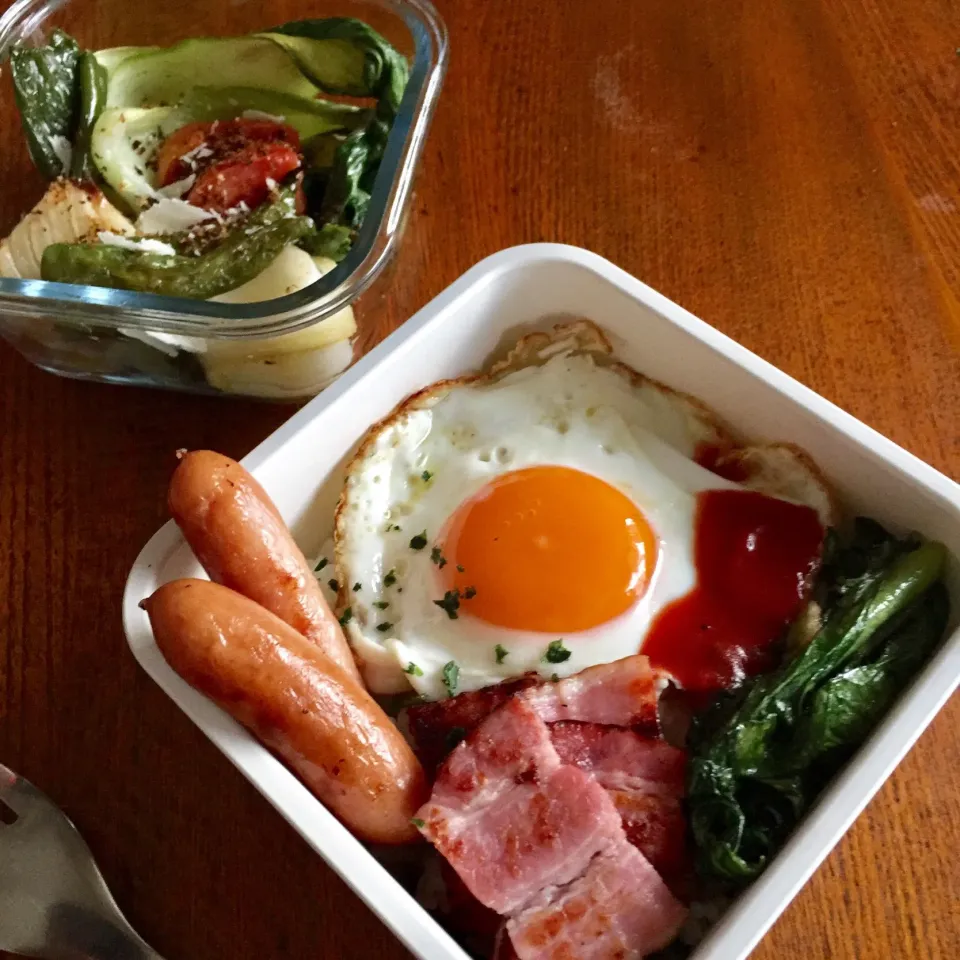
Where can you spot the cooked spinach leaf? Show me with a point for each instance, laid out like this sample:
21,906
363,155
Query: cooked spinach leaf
761,754
47,92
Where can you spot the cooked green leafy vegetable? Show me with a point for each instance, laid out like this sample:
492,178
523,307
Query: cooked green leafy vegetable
762,753
243,254
331,240
312,118
345,56
342,55
47,94
167,75
112,57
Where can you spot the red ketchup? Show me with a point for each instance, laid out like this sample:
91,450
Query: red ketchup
755,557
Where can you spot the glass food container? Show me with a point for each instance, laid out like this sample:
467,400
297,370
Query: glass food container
286,348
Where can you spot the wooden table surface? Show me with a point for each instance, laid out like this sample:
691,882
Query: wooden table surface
789,170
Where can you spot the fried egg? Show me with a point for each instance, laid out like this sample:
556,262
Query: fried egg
536,518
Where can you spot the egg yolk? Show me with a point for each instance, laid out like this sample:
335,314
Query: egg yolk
549,549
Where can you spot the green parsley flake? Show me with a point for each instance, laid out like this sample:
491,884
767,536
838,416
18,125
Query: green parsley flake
413,670
451,676
425,476
418,823
333,585
381,604
390,579
502,652
450,603
419,541
556,652
469,593
384,627
347,616
356,587
555,678
323,562
459,568
438,558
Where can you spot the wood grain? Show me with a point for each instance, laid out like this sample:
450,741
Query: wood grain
787,169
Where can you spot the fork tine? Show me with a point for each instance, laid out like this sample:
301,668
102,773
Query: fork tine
19,794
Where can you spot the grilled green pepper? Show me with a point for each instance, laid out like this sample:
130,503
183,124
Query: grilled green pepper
247,250
46,91
92,81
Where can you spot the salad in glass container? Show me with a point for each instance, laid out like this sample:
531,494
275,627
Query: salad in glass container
232,170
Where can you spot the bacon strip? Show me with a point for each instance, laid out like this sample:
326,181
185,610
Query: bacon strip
509,818
541,840
645,779
618,907
437,727
622,693
617,756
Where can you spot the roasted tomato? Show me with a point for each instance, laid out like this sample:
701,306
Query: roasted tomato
244,177
170,165
233,160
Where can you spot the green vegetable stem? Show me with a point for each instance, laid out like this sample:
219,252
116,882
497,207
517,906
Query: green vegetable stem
246,251
761,754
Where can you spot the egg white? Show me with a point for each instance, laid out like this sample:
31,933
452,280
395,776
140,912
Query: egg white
568,412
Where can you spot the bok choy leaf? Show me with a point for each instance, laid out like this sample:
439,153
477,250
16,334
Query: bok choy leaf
345,56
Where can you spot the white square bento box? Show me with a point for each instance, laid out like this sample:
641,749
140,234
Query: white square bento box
505,295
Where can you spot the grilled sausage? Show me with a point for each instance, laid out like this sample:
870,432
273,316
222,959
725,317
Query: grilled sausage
242,541
296,701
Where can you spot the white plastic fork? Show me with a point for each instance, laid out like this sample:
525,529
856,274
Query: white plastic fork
53,901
